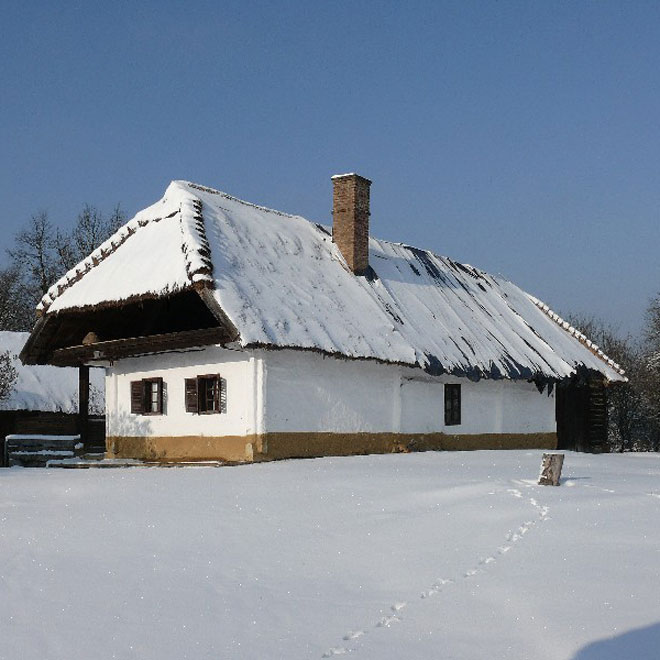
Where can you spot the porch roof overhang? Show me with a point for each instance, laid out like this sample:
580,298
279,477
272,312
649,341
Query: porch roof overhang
133,346
149,325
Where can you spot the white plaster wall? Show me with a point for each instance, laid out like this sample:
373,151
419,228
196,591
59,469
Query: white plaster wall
501,406
422,405
240,369
280,391
305,391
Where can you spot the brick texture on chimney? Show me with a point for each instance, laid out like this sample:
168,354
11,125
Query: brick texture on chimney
350,219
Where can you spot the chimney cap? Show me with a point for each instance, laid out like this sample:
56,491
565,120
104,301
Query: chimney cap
349,174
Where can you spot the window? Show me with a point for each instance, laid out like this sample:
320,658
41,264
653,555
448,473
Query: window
206,395
452,405
147,396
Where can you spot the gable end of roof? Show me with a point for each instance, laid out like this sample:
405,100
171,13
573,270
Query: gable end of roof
194,245
99,255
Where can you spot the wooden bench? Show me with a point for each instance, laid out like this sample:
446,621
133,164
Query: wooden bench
35,450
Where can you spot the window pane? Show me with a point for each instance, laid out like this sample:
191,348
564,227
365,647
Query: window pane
154,397
452,404
209,394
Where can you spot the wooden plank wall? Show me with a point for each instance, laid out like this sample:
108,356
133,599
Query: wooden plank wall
597,417
582,416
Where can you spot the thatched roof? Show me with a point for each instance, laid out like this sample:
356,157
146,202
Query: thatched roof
281,282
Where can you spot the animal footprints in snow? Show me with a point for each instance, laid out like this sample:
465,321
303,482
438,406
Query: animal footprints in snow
511,538
387,621
350,636
436,588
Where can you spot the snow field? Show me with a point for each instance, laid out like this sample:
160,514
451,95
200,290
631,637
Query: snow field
434,555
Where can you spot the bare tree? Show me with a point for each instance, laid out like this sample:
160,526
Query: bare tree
34,255
630,420
651,372
42,254
91,229
16,313
8,374
652,330
32,271
630,423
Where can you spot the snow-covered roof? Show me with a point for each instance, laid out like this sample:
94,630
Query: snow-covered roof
282,282
46,388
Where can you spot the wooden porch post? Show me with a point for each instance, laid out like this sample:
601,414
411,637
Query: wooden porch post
83,402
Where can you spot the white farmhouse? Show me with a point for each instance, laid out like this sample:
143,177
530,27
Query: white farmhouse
232,331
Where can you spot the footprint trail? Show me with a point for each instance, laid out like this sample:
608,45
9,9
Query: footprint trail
440,584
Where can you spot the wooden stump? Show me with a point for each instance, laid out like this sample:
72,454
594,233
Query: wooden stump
551,469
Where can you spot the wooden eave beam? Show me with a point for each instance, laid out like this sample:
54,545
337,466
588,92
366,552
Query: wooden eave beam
132,346
36,349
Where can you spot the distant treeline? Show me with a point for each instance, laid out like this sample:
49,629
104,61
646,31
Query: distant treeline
633,407
41,254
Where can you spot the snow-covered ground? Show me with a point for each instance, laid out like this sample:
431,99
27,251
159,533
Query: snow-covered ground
418,556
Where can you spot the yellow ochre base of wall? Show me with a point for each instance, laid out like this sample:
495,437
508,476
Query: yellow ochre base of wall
273,446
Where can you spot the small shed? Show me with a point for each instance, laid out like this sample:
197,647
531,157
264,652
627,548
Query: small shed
44,399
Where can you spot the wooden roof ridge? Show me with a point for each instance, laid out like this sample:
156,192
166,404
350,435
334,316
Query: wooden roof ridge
577,334
227,196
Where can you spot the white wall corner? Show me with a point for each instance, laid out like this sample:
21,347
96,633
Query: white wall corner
261,394
258,393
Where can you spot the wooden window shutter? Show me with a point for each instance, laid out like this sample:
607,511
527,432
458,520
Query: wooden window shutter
191,395
160,395
223,394
217,394
137,397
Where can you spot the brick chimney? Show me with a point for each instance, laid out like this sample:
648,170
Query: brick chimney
350,219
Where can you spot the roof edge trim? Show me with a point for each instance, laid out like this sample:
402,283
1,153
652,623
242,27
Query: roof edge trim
580,336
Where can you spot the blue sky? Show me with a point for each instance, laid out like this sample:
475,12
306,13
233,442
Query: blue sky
523,138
